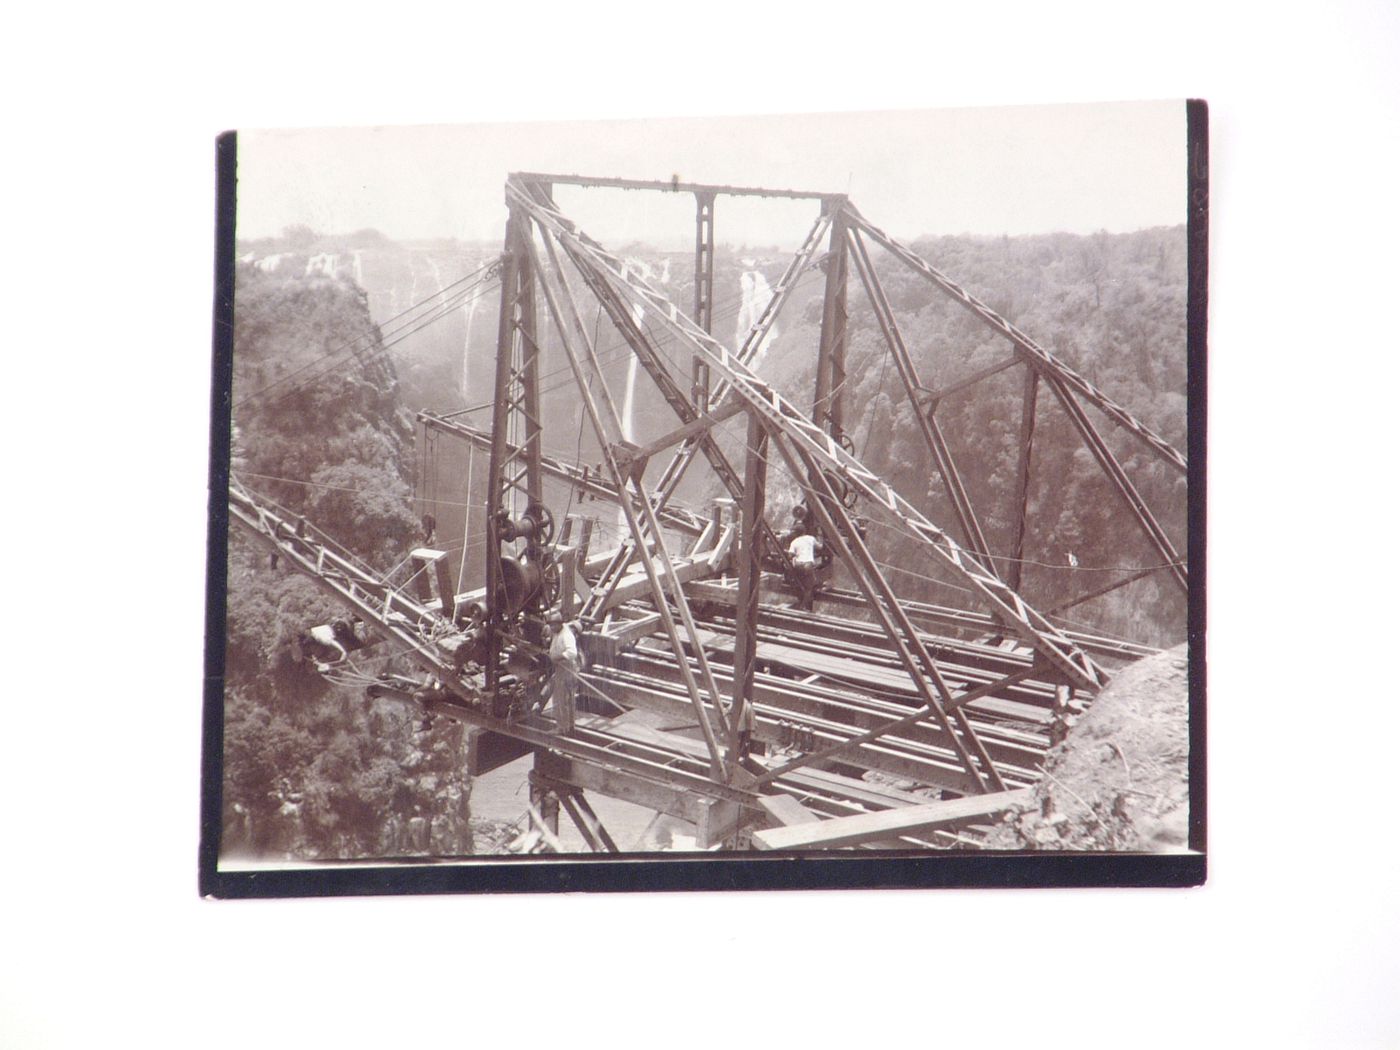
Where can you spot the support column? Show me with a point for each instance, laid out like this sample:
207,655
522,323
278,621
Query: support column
750,568
704,290
828,403
543,798
1023,478
500,446
515,475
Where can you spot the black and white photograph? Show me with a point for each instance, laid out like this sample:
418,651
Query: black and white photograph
824,492
784,524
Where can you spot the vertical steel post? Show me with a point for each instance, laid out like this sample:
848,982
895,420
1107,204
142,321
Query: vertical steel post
529,353
543,797
827,405
500,435
1023,478
514,470
750,565
704,290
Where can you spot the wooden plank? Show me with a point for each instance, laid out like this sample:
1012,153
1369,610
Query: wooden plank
909,820
786,811
637,585
628,631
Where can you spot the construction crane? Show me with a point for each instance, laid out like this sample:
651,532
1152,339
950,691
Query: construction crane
709,690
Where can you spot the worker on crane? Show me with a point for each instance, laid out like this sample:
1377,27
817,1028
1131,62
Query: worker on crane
564,664
328,644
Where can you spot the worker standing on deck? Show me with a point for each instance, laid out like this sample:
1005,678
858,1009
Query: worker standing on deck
564,664
803,552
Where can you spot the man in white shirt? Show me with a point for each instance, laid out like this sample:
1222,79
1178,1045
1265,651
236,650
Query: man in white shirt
803,552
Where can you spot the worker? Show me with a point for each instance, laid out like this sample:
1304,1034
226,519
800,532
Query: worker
801,522
322,645
803,552
564,664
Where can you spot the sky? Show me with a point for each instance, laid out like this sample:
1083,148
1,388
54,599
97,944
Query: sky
992,171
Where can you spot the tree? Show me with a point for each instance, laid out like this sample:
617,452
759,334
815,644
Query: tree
299,237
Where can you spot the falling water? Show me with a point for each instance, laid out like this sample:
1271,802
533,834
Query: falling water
642,269
437,274
756,293
323,264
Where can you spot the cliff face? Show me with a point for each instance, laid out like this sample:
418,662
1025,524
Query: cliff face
313,769
1119,780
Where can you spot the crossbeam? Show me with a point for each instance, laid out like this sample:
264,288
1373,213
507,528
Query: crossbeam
909,820
673,185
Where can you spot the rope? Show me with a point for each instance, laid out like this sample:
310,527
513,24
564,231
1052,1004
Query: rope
380,331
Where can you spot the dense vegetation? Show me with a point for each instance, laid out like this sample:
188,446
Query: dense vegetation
318,770
312,769
1111,306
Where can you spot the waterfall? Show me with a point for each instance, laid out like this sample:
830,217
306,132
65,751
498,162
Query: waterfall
323,264
360,269
641,269
756,293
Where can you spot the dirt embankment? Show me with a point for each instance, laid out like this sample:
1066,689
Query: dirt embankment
1119,779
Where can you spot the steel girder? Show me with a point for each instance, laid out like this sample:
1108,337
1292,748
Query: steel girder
585,481
928,425
622,478
514,468
782,417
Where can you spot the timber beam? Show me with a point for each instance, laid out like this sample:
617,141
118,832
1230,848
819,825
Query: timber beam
867,827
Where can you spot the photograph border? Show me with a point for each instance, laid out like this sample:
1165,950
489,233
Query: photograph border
674,872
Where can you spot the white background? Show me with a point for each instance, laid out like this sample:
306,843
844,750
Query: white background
107,190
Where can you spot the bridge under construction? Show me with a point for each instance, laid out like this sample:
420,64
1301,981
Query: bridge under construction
723,681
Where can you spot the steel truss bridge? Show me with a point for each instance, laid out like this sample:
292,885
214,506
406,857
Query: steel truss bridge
723,703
